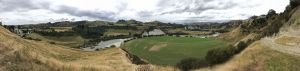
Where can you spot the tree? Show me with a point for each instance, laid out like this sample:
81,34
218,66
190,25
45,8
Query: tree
271,13
88,32
253,17
121,21
294,3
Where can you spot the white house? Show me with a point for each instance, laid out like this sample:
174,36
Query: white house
154,32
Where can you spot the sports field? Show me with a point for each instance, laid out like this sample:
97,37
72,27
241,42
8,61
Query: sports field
169,50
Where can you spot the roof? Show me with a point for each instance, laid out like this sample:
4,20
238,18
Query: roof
154,32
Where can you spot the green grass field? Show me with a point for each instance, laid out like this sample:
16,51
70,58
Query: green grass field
168,50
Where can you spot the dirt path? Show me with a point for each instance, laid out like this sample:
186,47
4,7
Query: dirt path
270,42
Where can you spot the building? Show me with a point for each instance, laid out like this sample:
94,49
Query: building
155,32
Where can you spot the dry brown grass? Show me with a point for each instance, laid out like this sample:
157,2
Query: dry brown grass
256,57
251,59
28,55
61,29
290,41
37,56
70,41
188,32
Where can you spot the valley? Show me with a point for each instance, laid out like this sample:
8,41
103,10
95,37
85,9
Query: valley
267,42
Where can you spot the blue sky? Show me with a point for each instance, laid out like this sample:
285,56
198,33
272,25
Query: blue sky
178,11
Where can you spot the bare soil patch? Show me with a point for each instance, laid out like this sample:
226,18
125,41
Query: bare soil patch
158,46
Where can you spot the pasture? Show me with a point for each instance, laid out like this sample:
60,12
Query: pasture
169,50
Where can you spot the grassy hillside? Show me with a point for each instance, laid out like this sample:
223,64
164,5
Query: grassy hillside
168,50
258,57
27,55
276,48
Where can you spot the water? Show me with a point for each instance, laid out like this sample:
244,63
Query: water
107,44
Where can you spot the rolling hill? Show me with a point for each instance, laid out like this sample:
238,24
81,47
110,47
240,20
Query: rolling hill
18,54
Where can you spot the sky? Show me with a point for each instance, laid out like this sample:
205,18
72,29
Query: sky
15,12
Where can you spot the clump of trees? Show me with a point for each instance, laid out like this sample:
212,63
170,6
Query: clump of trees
221,55
89,32
294,3
129,22
214,56
191,63
55,34
265,25
119,27
122,21
271,13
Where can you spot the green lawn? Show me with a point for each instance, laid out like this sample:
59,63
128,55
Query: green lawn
173,50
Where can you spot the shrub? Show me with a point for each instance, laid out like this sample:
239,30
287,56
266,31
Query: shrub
220,55
241,46
191,63
97,49
52,42
113,46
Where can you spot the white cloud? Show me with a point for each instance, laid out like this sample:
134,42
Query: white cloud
38,11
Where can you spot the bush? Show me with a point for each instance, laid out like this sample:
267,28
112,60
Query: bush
113,46
191,63
220,55
52,42
97,49
241,46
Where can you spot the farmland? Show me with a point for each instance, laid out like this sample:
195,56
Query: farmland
169,50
